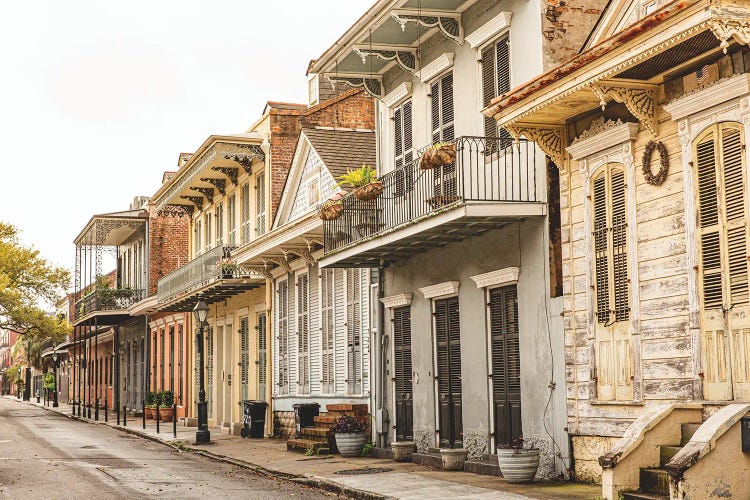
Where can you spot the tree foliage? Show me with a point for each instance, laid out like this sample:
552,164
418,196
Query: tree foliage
27,283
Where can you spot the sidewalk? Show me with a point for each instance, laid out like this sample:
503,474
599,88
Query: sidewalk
361,477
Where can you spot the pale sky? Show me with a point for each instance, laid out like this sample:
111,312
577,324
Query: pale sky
98,98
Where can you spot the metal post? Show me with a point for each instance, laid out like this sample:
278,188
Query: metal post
106,410
143,412
202,435
157,416
57,387
174,420
124,416
117,411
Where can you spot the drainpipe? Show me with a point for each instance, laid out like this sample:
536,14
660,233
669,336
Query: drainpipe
382,357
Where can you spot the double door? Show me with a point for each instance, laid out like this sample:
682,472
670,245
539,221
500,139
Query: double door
448,350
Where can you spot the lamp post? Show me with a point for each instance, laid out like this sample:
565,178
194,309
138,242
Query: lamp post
202,435
54,391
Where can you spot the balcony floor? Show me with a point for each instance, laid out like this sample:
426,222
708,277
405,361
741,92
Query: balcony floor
432,231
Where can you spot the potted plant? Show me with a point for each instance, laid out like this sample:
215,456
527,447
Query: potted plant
166,406
227,267
350,436
49,382
453,458
403,450
332,208
150,408
518,464
438,155
364,181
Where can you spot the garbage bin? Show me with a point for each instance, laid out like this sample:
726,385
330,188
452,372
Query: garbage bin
304,414
253,418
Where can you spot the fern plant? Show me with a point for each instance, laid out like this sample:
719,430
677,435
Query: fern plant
359,177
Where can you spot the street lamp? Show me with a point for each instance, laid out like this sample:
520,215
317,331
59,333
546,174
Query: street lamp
54,397
202,435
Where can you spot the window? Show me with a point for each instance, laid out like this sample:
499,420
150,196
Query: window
260,204
614,368
403,148
232,216
353,331
245,212
282,301
197,237
262,356
328,330
303,334
220,224
495,80
179,359
208,235
441,94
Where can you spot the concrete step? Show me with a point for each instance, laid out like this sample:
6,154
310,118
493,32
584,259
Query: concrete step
666,453
325,420
314,431
484,467
433,460
654,480
346,407
306,444
636,495
687,432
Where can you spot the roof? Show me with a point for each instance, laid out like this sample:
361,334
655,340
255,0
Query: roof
342,149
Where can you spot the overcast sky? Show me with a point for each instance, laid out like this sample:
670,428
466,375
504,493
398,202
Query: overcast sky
98,98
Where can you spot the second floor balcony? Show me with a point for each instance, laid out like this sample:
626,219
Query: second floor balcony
491,182
106,302
213,274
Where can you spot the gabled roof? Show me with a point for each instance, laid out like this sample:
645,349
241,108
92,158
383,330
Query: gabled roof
341,149
618,15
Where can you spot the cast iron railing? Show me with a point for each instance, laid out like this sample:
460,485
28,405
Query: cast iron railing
107,299
213,265
486,170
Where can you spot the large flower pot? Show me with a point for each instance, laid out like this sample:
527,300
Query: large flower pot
150,412
350,444
518,466
166,414
403,450
454,459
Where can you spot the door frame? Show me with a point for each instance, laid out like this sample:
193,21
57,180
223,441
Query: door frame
393,302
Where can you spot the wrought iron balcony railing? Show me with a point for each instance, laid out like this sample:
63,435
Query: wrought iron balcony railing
213,265
486,169
107,299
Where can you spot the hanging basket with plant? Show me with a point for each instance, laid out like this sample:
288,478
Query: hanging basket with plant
364,181
438,155
332,208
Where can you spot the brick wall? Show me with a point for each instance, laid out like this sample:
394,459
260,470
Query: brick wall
168,245
285,128
352,109
565,25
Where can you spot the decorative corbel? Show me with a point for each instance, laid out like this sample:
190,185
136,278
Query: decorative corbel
207,192
246,159
405,56
449,22
371,83
231,173
262,270
313,241
724,29
195,200
640,100
279,261
302,252
176,210
219,184
549,138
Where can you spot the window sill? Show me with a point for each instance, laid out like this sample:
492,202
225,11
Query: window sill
596,402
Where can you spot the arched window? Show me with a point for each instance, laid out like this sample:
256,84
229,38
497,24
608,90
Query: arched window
614,366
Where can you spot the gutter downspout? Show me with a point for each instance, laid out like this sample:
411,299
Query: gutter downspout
382,359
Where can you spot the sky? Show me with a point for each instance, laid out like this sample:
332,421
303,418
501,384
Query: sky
98,98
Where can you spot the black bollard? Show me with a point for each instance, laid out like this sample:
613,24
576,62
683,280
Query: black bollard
106,410
174,421
96,409
117,411
157,417
143,412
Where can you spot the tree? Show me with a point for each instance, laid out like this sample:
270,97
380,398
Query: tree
27,283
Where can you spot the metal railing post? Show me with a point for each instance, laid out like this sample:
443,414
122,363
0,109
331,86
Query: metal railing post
157,417
143,412
106,410
174,420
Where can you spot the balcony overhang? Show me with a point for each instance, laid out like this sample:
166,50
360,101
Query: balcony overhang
389,34
454,224
217,163
112,229
626,68
103,318
214,290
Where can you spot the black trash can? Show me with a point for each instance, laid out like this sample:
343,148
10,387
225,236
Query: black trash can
304,415
253,418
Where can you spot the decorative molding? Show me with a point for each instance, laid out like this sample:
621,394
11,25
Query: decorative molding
394,97
372,84
219,184
490,29
205,191
245,160
401,300
440,290
602,135
442,63
495,278
724,90
196,200
640,100
405,56
549,138
177,210
724,29
449,22
262,271
279,261
301,252
231,173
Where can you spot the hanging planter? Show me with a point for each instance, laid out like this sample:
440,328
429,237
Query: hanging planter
364,181
332,208
438,155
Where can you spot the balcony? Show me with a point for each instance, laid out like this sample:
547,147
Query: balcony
492,182
109,303
212,274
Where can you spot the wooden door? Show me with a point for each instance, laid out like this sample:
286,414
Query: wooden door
328,331
506,364
209,332
723,280
303,334
403,393
354,331
448,345
261,327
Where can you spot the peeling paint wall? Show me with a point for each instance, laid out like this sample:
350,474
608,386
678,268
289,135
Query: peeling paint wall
565,26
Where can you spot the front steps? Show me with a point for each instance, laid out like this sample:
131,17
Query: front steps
487,465
316,438
654,481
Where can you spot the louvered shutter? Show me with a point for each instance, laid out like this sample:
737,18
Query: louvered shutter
283,336
601,254
709,222
260,204
245,213
502,48
354,331
210,369
435,110
489,87
328,329
244,357
619,247
403,373
448,341
303,334
262,355
506,363
403,149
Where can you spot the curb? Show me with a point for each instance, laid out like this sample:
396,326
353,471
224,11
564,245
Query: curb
310,481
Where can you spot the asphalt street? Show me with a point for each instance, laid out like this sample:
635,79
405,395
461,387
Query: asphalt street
46,455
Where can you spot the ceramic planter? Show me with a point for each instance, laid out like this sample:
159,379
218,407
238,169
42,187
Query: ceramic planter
166,414
454,459
369,192
150,412
350,444
518,466
403,450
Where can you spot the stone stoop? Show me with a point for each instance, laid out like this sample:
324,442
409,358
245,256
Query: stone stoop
486,466
316,438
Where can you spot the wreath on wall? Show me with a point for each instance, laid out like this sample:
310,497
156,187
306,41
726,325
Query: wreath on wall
658,178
